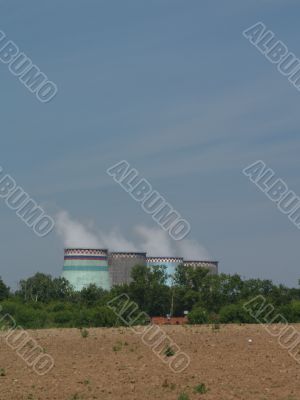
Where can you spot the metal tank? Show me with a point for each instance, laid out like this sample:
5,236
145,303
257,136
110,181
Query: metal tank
121,264
211,265
83,267
170,262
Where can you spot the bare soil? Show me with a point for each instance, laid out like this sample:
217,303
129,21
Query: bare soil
114,364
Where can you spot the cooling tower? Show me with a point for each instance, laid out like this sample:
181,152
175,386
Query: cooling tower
121,264
170,262
83,267
211,265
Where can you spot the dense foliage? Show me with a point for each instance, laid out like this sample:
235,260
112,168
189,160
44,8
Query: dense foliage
42,301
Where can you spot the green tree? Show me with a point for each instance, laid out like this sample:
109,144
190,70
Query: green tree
42,287
4,290
91,294
149,291
234,313
198,316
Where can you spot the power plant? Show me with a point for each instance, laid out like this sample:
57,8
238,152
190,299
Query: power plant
121,264
83,267
170,262
211,265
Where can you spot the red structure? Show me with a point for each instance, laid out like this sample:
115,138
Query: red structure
169,321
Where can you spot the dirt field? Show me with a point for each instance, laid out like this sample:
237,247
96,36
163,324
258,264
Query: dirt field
115,364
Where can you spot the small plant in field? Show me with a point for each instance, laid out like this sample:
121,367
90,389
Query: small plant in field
118,346
76,396
201,388
169,352
84,333
2,372
183,396
216,326
166,384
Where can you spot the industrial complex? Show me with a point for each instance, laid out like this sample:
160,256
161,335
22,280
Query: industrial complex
83,267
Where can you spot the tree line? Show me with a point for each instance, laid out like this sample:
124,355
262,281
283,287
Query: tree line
42,301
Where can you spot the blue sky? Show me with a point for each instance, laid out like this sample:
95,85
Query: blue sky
175,89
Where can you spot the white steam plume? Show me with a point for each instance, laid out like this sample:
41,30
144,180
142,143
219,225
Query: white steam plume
192,250
73,233
114,241
154,241
158,243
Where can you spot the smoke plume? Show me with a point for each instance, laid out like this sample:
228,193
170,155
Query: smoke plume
153,240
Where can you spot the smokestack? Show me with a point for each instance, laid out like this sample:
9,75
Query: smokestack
83,267
211,265
121,264
170,262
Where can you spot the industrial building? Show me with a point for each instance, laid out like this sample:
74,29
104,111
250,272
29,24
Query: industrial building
211,265
121,264
170,262
83,267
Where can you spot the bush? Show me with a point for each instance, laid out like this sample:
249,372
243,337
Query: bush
55,307
9,307
201,388
103,316
84,333
83,318
169,352
183,396
291,311
234,313
29,318
198,315
63,317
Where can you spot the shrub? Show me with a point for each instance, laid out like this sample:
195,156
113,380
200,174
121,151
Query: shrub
234,313
103,316
118,346
83,318
201,388
183,396
169,352
9,307
216,326
291,311
29,318
198,315
56,307
84,333
63,317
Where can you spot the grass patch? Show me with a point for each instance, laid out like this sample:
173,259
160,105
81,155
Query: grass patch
76,396
169,352
201,388
216,326
118,346
84,333
183,396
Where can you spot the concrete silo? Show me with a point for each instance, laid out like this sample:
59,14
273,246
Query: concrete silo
170,262
121,264
83,267
211,265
